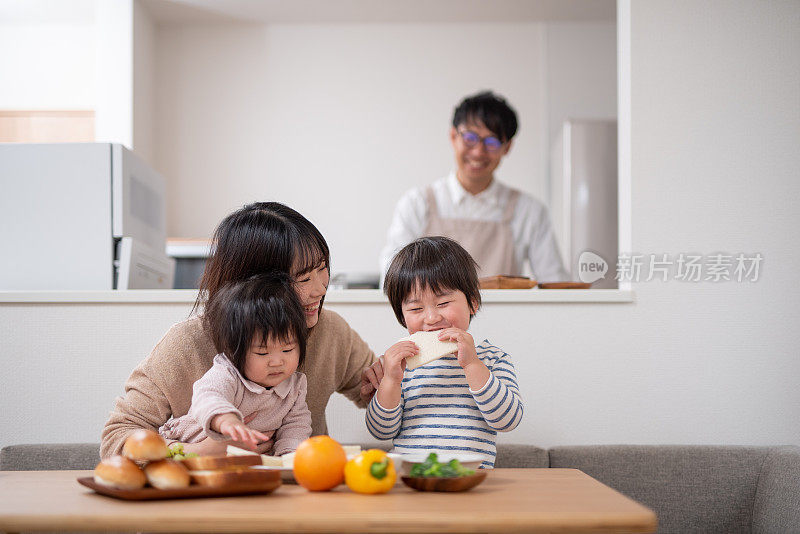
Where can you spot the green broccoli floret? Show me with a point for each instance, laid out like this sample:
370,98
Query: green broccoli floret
432,468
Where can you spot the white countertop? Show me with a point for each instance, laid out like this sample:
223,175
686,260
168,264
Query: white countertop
339,296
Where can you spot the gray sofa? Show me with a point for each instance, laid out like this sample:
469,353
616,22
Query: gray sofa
704,489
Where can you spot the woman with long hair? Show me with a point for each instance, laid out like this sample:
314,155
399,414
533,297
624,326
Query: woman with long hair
258,238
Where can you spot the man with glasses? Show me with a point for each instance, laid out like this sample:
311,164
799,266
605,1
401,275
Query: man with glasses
502,228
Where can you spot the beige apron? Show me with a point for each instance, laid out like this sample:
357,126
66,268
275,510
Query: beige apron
490,243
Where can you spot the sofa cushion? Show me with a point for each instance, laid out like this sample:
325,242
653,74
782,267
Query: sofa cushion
509,455
691,488
777,502
41,457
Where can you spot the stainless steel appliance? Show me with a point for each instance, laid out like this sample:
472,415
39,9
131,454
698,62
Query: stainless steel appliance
81,216
584,194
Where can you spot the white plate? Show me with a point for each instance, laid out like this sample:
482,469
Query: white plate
271,467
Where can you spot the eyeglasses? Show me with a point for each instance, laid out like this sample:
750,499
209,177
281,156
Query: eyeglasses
491,143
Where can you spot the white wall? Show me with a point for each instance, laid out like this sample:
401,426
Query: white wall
581,73
716,125
339,120
144,56
114,64
47,66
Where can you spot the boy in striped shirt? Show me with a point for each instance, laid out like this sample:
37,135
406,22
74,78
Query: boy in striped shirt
459,402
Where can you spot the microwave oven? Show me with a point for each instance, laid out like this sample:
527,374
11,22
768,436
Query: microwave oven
81,216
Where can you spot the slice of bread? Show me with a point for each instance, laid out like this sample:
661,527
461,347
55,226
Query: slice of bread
239,477
201,463
271,461
287,460
430,348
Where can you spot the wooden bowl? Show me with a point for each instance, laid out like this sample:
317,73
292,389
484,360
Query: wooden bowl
445,483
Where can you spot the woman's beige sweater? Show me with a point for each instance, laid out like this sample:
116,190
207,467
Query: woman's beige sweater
161,385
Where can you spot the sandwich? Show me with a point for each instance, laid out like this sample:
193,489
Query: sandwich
430,348
227,470
221,463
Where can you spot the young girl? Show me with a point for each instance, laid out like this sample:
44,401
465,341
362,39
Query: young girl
457,403
259,328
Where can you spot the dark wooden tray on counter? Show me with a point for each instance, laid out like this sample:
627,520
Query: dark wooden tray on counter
192,491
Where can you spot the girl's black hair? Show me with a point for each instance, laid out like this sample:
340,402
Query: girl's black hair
436,262
490,109
263,306
259,238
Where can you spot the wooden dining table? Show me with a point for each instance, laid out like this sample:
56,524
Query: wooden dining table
509,500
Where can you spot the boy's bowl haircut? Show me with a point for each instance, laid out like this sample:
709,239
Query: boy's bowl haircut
434,262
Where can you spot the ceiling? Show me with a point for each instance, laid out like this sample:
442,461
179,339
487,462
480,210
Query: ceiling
25,12
366,11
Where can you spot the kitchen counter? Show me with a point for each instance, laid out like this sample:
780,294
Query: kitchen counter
334,296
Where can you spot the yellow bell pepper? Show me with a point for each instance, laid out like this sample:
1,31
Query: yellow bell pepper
370,472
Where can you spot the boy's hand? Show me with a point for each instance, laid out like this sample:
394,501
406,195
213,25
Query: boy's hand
466,345
476,371
394,361
394,365
230,425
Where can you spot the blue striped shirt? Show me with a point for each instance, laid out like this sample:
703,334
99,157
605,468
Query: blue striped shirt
438,412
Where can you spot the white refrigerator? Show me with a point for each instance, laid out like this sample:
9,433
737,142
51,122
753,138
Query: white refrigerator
583,200
81,216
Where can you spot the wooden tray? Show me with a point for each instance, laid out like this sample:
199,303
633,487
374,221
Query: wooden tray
565,285
193,491
506,282
445,483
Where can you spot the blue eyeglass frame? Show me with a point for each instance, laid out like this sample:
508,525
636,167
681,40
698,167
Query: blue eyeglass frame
490,143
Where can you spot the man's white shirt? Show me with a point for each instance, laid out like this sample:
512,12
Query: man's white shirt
534,242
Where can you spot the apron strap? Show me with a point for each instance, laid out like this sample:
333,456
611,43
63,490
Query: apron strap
430,200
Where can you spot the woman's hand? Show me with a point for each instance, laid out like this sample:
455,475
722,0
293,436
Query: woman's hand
370,380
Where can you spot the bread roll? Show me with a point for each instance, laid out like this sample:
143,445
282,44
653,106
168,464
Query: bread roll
145,446
119,472
167,474
430,348
200,463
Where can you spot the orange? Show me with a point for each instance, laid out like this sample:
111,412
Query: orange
319,463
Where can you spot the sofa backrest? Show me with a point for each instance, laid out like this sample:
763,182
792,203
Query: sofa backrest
509,455
37,457
49,456
777,502
691,488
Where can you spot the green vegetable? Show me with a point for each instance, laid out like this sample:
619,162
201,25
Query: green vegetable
176,452
432,468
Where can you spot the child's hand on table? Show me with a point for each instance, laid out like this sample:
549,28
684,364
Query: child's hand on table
231,426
